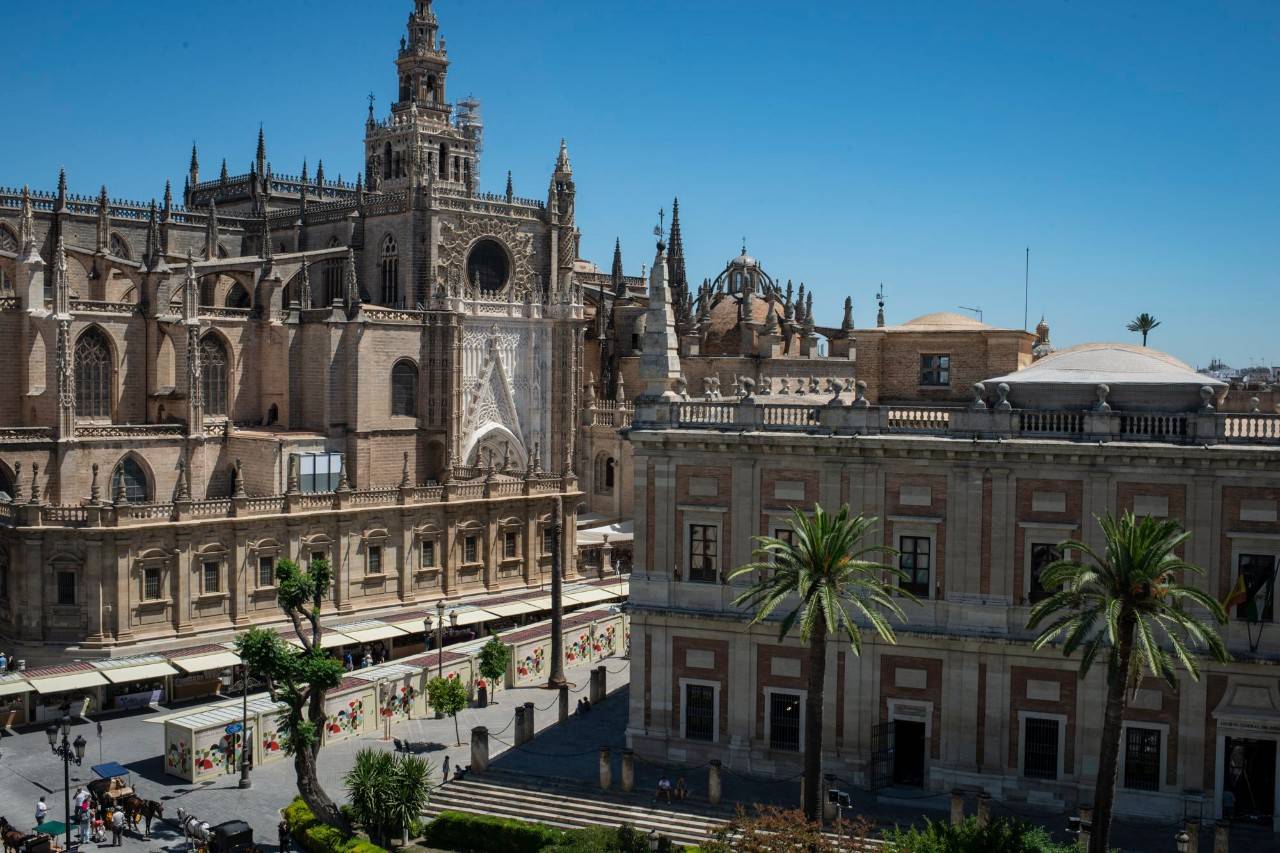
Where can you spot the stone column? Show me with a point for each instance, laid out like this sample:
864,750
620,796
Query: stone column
713,782
564,702
984,808
628,771
957,806
1221,836
606,769
1086,827
518,725
479,749
529,727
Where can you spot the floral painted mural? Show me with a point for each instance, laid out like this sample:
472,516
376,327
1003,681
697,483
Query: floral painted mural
532,663
579,650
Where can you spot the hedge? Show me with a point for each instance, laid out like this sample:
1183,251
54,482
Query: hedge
481,833
317,837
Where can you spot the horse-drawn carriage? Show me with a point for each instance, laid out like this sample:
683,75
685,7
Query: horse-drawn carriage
40,841
232,836
112,785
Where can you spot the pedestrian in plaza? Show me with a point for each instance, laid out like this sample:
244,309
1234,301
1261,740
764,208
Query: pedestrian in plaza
444,774
42,810
117,827
85,814
282,832
367,661
348,663
4,661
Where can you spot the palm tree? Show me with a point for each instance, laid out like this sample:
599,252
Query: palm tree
826,572
1143,323
1127,604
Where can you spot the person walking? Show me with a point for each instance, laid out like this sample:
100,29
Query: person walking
85,814
42,811
282,832
117,827
444,771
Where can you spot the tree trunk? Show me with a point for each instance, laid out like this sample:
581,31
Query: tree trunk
813,722
1109,747
304,765
457,733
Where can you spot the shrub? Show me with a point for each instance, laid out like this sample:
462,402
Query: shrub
1001,835
464,832
316,837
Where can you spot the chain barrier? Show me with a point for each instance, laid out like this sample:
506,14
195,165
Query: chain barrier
544,754
671,765
760,779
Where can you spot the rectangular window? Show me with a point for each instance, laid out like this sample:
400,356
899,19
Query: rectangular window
1142,759
699,712
935,370
66,588
428,554
509,544
319,472
1040,748
913,560
470,549
784,721
211,576
266,571
704,562
1258,572
1043,555
150,584
315,555
373,560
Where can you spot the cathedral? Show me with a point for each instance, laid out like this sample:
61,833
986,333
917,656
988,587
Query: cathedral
385,374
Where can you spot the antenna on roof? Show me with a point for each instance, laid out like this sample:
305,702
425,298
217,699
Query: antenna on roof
977,311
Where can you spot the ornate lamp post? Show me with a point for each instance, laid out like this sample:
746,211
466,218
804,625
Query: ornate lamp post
440,638
556,679
245,746
68,752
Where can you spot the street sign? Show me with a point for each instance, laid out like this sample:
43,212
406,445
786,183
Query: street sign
234,729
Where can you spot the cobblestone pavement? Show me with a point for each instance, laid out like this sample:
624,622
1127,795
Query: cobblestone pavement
28,768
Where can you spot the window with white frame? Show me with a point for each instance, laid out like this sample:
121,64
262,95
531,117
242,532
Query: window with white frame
699,712
427,554
471,548
210,576
266,570
704,553
1040,747
784,721
935,369
1142,758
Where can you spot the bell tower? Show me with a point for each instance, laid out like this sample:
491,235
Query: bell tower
419,143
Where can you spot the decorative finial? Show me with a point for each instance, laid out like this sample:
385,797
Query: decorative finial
95,494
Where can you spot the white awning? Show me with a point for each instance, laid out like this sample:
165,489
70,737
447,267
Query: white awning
17,685
372,631
141,672
622,531
473,616
69,681
590,596
328,639
511,608
385,671
542,602
203,663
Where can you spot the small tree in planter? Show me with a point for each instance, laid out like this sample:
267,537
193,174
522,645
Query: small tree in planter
447,696
387,792
494,657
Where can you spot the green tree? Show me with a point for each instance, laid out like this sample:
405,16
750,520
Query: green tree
1128,605
447,696
1001,835
493,659
826,568
387,792
299,678
1143,323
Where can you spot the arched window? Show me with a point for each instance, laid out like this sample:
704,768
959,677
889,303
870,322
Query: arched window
93,375
237,296
213,375
134,479
8,241
208,285
604,468
386,161
119,247
390,272
404,389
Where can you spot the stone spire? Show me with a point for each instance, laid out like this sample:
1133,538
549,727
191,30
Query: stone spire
155,249
510,187
193,172
880,309
350,287
320,174
168,202
264,250
846,324
675,261
615,274
660,357
61,287
104,220
211,232
61,206
304,177
562,160
260,160
304,285
27,225
190,293
222,175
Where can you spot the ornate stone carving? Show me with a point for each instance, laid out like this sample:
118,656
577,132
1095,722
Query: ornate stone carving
457,239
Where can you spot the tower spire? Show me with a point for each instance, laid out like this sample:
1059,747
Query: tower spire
619,286
562,160
260,161
211,232
675,261
104,220
193,172
62,191
660,355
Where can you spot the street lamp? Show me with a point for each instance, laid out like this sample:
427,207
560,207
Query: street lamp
440,638
68,752
245,746
1183,841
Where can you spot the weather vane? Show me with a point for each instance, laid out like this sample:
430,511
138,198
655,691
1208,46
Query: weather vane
662,215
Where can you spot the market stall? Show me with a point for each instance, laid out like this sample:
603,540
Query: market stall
207,743
135,682
77,687
400,689
200,674
14,690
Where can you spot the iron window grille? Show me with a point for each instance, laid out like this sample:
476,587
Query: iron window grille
784,721
404,390
66,588
704,541
1040,748
469,549
266,571
375,560
211,577
428,555
913,560
150,584
935,369
509,544
699,712
1142,759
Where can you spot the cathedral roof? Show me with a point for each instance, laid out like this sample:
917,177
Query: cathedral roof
721,329
942,321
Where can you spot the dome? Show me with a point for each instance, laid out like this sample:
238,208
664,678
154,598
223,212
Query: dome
721,335
943,320
743,260
1139,379
743,273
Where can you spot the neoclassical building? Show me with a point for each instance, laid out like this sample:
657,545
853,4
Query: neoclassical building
975,498
387,373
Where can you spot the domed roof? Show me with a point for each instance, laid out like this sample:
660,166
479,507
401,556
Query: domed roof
743,260
1140,378
940,320
721,329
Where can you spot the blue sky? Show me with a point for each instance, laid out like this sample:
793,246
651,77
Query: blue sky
1134,147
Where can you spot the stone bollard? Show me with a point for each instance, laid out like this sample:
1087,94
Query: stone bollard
713,782
517,738
1222,836
628,771
957,806
564,702
984,808
606,769
1086,827
529,727
479,749
595,690
828,807
1192,829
